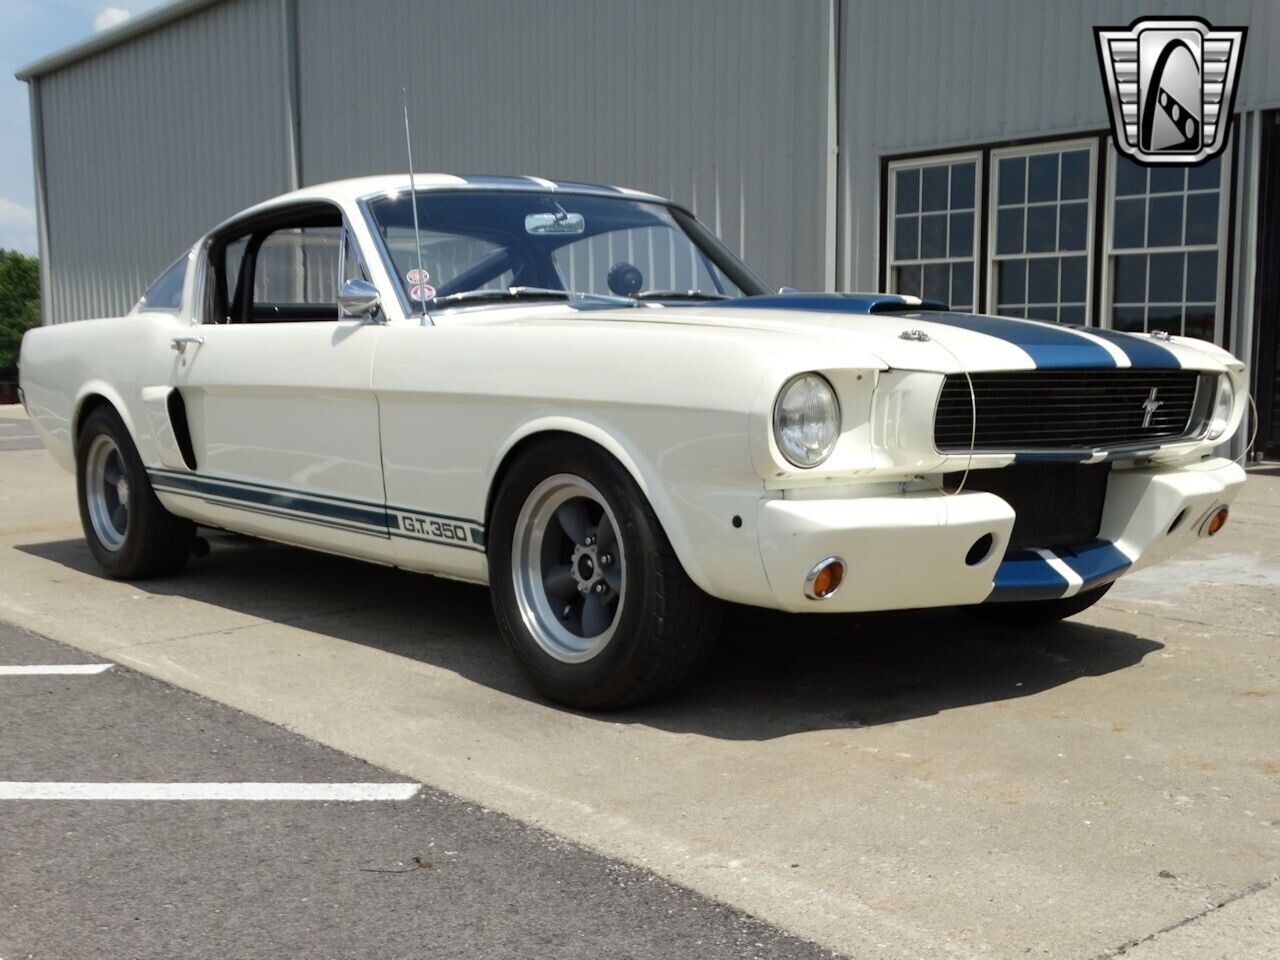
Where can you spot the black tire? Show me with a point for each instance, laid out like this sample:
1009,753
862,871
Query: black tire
664,629
1032,612
155,542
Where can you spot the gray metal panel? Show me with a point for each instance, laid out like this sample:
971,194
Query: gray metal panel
923,74
719,104
149,143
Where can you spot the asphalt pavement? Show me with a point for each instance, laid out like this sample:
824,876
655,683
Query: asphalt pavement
430,876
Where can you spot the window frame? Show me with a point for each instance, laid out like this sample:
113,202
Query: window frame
891,212
1220,246
1039,148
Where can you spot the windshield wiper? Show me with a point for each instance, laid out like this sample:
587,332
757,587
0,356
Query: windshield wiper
680,295
526,293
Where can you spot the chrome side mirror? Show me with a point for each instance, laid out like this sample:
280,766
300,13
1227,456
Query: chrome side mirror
358,298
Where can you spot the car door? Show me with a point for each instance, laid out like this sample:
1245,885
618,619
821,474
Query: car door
282,419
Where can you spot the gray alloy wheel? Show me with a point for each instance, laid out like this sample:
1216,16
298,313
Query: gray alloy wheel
567,566
107,492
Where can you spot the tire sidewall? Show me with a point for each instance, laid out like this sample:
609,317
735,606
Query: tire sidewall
106,422
592,679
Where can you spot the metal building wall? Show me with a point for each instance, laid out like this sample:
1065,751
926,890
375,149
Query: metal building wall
719,104
147,144
929,74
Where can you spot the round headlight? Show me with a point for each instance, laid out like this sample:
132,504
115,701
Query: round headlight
806,420
1223,405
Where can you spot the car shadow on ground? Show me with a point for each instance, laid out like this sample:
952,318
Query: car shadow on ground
771,675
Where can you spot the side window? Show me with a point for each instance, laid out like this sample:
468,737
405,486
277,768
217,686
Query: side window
298,267
166,292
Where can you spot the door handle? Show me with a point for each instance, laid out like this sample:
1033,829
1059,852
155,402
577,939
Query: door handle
180,343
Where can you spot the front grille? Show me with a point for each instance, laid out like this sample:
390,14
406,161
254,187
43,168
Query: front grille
1056,505
1065,409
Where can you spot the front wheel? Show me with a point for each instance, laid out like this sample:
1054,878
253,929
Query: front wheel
1032,612
587,590
129,533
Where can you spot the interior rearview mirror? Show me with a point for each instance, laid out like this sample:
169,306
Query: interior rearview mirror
358,298
541,224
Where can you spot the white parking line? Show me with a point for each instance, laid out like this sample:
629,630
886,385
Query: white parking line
343,792
51,669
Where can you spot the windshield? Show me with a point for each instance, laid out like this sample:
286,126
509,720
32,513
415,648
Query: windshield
598,247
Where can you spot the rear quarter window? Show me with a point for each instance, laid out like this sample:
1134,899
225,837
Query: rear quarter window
166,292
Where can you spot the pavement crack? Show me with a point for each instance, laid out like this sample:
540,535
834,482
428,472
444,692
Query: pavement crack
1248,891
286,621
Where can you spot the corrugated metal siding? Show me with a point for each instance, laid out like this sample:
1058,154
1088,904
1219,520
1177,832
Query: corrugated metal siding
718,104
925,74
149,144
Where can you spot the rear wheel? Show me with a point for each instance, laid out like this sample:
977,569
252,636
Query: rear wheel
587,590
129,533
1031,612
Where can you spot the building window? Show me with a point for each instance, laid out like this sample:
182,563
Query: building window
1042,231
1164,261
933,229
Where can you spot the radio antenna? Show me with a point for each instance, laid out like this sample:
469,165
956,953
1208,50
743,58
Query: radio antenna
413,196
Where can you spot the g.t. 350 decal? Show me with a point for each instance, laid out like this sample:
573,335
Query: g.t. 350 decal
433,528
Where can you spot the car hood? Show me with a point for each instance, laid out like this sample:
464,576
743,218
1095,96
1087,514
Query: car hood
909,337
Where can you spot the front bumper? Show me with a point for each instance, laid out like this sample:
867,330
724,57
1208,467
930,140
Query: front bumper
917,550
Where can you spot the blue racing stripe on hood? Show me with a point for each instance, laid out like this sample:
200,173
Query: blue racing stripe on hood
1142,351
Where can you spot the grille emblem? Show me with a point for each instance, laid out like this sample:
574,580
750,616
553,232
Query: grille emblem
1150,406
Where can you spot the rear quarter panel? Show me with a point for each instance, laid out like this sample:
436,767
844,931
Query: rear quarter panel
64,365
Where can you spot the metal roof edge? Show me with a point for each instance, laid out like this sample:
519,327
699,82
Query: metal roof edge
122,33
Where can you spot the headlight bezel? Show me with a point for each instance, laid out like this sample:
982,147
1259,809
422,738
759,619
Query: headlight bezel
835,418
1223,409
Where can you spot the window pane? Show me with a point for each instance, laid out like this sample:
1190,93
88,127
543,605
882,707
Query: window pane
1042,280
1165,318
962,186
1011,281
1202,218
1202,276
166,292
1130,279
1165,285
961,235
961,286
1013,177
1075,175
1012,311
1009,230
908,280
1164,225
1130,223
933,192
1043,313
906,238
907,191
1042,229
1130,178
1199,321
298,266
1072,222
933,235
1128,319
1072,315
1073,280
1042,177
1167,179
1206,176
937,281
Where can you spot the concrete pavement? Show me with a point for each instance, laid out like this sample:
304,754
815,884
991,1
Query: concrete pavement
888,786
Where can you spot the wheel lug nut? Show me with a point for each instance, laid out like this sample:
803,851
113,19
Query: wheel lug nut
601,588
606,559
589,542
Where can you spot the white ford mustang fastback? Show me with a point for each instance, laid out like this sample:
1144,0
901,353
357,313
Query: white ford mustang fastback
579,396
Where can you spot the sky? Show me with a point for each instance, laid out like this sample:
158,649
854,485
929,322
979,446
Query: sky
30,29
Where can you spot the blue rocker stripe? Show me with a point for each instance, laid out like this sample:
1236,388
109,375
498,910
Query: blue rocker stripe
279,499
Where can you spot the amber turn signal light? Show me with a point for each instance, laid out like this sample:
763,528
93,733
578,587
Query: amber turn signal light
824,579
1216,521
